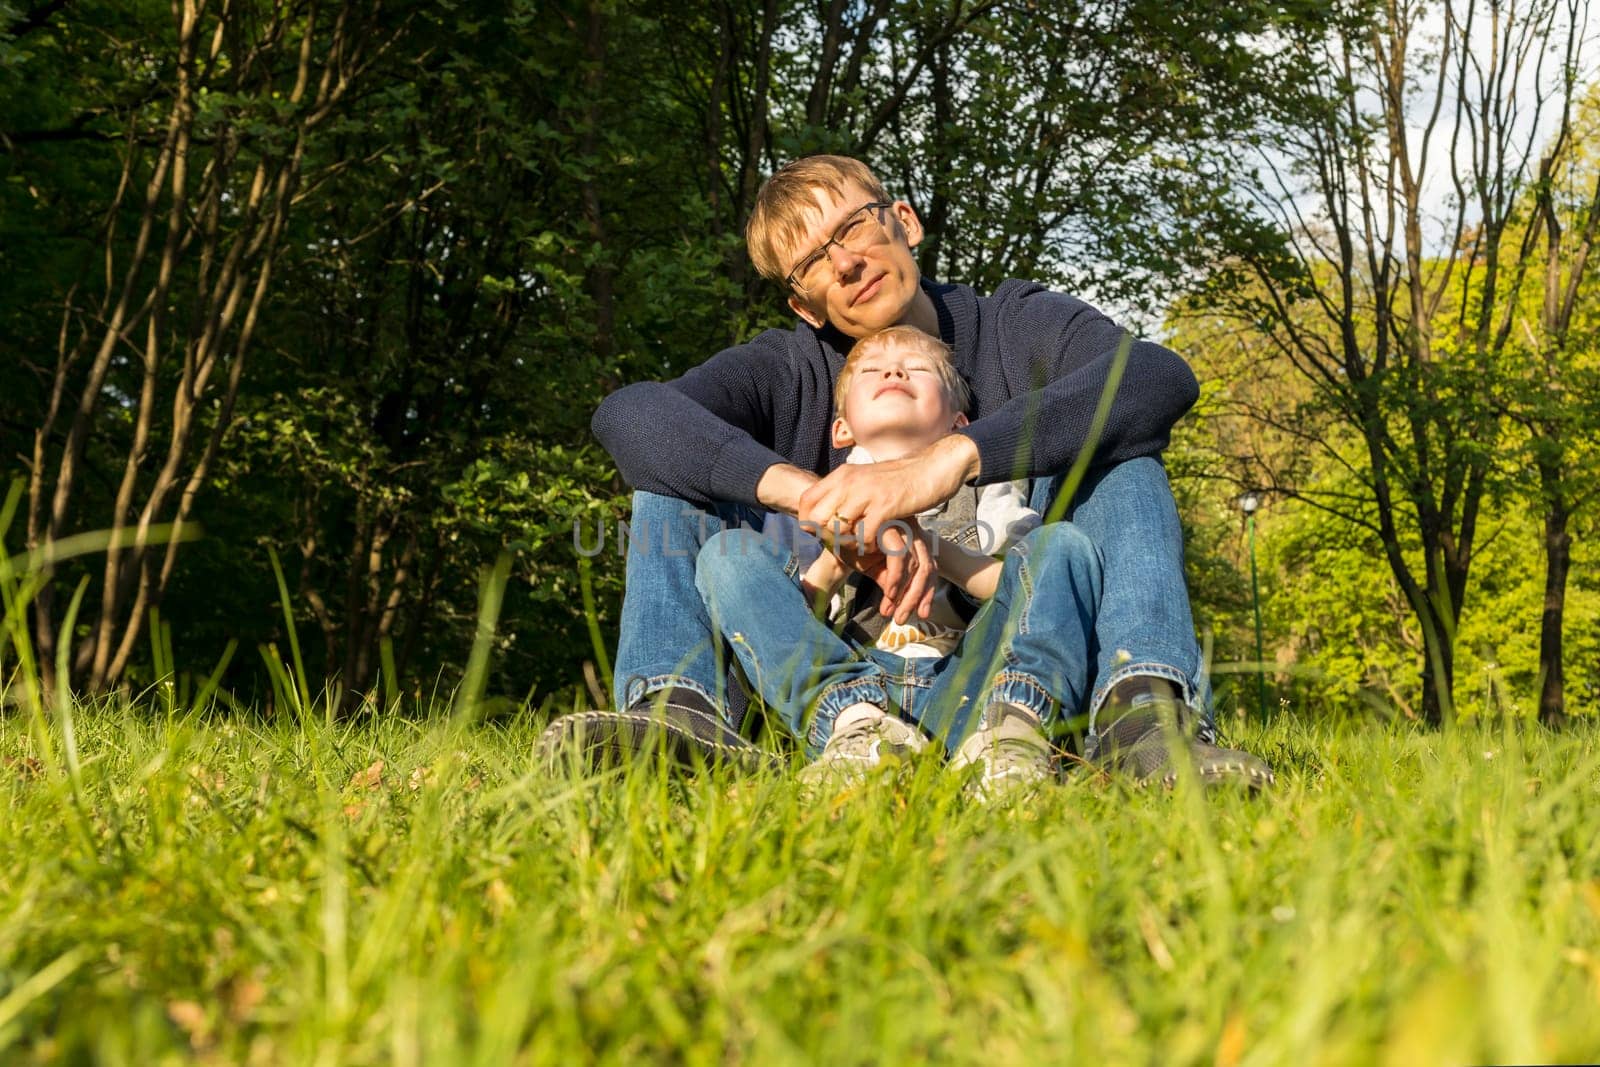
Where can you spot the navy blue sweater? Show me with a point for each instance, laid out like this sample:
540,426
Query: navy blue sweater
1037,362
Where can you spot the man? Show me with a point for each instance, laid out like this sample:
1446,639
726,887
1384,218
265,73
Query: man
746,434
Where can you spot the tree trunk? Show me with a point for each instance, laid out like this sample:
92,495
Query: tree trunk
193,281
937,217
601,275
1558,561
1438,667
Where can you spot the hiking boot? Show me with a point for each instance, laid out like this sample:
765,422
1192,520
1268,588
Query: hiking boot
680,724
1009,748
1143,736
864,739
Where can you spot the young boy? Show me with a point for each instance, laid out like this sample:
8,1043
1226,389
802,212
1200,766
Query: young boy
1014,661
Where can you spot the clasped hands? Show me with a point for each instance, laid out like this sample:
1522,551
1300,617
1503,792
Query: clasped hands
866,514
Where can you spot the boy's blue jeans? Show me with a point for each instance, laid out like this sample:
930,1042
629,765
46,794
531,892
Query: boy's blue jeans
1019,649
1143,625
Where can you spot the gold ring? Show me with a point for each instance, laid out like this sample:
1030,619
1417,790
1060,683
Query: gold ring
842,521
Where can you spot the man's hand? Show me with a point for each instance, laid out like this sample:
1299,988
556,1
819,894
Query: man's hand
866,496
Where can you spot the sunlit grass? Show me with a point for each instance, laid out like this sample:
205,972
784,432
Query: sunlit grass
394,890
297,887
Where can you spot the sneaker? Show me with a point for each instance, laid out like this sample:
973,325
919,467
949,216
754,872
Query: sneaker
1142,736
1011,750
864,739
680,724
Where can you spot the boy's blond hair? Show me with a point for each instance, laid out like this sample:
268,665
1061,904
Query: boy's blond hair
955,388
785,206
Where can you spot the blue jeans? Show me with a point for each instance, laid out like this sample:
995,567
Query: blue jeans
1144,626
1127,511
667,638
1019,649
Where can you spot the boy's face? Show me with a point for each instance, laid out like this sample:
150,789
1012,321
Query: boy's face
863,291
896,403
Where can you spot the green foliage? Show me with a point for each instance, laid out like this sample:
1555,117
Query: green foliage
1338,630
522,206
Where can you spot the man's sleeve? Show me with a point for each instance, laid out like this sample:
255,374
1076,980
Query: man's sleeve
705,436
1070,348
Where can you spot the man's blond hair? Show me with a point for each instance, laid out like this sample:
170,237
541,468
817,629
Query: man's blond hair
902,337
785,206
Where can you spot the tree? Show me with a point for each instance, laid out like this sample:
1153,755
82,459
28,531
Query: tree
211,133
449,325
474,221
1388,272
1552,392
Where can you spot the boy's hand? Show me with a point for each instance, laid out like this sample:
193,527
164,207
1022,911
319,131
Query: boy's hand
822,578
903,569
866,496
909,577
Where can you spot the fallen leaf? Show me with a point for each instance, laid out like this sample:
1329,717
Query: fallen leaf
243,996
26,767
1231,1045
353,811
189,1017
500,898
371,778
1150,928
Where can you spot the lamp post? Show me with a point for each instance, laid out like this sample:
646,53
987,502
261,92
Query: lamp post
1249,501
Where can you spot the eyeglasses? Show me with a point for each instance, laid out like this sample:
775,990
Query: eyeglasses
857,233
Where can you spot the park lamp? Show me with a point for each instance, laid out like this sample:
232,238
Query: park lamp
1249,501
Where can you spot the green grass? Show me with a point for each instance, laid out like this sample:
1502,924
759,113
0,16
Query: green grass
231,889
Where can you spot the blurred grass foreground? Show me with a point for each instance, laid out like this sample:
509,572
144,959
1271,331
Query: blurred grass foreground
191,879
187,887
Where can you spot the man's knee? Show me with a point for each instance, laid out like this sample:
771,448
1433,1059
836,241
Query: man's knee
1061,543
731,560
658,510
713,566
664,528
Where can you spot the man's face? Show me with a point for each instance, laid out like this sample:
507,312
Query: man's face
863,291
895,401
